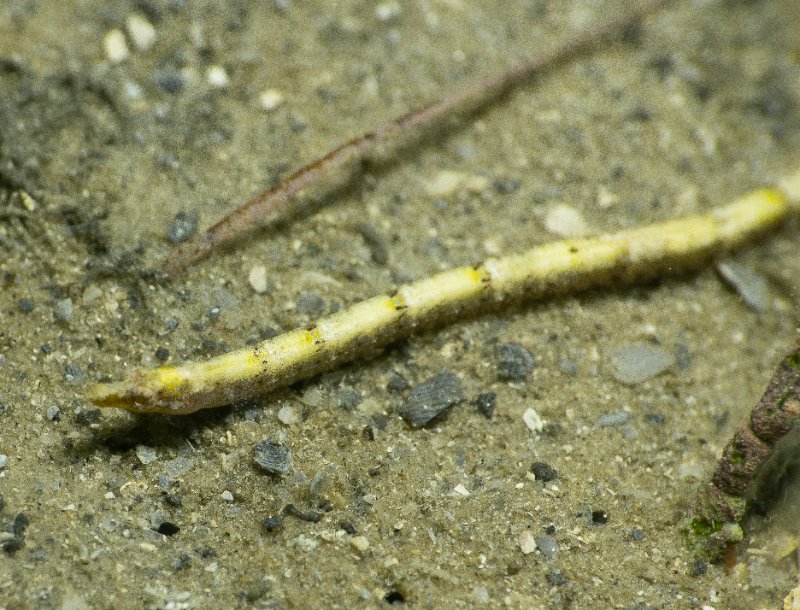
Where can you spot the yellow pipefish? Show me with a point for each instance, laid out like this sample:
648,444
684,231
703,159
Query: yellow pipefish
554,268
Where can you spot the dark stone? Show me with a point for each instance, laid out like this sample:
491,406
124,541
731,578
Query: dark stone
311,304
162,354
397,383
485,404
73,374
514,362
637,534
600,517
170,80
310,516
272,523
348,527
168,529
184,561
699,568
21,523
431,398
394,598
544,472
375,242
349,399
275,458
26,305
556,578
184,225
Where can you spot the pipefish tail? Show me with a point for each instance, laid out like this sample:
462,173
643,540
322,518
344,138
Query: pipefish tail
555,268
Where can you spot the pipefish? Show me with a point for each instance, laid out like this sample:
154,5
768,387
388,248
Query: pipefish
559,267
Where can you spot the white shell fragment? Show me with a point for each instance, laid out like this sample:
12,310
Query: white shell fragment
141,31
115,47
565,221
258,279
533,420
270,99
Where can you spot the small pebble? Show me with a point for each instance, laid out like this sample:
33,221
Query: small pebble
162,354
485,404
547,546
431,398
396,383
288,416
527,543
375,242
170,81
73,374
565,221
141,31
217,77
275,458
146,454
54,413
556,578
115,46
310,303
752,287
637,534
544,472
349,399
227,496
639,361
387,11
461,490
26,305
258,279
359,543
599,517
183,227
270,99
3,461
608,420
63,310
272,523
514,362
533,420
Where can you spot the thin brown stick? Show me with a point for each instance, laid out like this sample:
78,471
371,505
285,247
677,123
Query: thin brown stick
472,96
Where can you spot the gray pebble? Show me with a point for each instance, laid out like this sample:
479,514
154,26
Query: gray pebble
431,398
375,243
3,461
514,362
547,546
310,303
638,361
617,418
183,227
73,374
174,469
349,399
275,458
53,413
63,310
146,455
753,288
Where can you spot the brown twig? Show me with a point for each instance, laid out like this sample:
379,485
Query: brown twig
473,96
714,523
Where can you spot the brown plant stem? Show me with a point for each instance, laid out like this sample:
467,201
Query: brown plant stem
472,96
721,506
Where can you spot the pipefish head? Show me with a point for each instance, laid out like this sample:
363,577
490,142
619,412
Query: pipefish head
160,390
